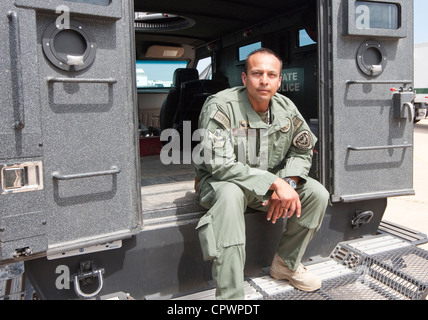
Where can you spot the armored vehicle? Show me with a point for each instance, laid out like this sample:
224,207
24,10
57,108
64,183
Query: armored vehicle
94,201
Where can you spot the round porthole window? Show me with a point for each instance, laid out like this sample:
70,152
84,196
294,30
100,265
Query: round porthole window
372,58
70,49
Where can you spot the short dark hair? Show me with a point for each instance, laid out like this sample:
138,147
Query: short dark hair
261,50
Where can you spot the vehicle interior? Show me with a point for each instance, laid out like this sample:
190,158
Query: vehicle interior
185,53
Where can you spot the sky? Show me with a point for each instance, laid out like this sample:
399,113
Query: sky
421,27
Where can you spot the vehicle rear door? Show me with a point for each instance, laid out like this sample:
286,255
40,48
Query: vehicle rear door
371,72
73,66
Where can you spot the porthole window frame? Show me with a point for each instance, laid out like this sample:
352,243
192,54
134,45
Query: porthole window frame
56,59
366,68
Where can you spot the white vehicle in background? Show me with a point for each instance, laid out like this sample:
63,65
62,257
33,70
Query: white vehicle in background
421,105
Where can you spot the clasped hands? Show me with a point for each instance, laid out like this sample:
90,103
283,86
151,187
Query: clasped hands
284,202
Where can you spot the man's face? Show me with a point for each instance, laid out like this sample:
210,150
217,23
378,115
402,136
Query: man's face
262,80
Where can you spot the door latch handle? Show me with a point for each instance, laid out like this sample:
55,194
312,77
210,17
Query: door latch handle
410,108
402,104
113,171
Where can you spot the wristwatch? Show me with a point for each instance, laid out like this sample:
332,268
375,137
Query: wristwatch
291,182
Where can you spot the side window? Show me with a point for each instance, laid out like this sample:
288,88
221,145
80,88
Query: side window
204,68
369,15
244,51
304,39
157,73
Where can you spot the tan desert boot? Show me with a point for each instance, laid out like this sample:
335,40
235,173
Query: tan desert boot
301,278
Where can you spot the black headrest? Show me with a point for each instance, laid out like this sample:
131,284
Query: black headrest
184,74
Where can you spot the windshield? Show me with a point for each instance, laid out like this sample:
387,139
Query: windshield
157,73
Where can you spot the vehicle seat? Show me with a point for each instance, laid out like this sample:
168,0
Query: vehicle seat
192,97
170,104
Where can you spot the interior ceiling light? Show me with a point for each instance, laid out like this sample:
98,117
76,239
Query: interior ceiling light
149,21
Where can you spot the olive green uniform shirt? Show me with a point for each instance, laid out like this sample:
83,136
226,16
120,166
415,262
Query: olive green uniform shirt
241,148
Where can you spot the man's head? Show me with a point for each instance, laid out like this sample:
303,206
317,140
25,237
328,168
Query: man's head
262,77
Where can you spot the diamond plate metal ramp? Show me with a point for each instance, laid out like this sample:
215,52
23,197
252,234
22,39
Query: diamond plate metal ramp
378,268
381,267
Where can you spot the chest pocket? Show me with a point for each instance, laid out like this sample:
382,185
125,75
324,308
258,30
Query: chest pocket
246,142
279,144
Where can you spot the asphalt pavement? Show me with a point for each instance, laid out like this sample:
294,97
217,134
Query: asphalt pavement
412,211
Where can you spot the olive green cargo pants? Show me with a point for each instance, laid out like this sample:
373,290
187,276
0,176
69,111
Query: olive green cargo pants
222,230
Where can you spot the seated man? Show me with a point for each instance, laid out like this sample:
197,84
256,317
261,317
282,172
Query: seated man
257,153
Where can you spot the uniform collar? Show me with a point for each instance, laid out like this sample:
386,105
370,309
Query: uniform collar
280,116
254,119
277,111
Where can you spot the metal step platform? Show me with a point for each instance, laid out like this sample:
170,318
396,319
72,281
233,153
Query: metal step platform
381,267
413,236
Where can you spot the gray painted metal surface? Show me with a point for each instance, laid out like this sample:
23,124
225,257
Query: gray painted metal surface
372,142
80,123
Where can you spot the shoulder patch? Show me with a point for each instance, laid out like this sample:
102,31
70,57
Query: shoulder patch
222,119
287,126
217,139
297,122
303,140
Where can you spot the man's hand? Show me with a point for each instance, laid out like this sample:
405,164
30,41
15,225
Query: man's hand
284,202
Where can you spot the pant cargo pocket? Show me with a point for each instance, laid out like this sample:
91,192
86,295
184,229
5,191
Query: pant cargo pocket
207,238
